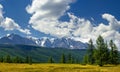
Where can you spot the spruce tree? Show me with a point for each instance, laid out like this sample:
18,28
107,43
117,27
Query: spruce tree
106,54
90,52
7,59
62,60
16,59
30,60
50,60
27,59
111,60
114,54
102,51
70,58
85,59
1,59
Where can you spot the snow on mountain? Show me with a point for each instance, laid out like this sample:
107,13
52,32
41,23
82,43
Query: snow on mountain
44,41
8,35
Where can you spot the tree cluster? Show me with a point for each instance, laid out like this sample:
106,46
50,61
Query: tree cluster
64,59
102,53
17,59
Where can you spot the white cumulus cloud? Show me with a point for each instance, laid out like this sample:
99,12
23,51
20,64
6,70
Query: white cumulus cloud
46,14
47,9
9,24
114,24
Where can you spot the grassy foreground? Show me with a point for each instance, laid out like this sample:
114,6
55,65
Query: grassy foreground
5,67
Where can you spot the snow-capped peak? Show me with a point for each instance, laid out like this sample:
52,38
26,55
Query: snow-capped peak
44,38
8,35
52,40
31,37
43,41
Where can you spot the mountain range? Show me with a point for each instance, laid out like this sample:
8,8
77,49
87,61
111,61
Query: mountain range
69,43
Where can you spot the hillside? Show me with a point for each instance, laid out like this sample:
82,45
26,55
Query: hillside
39,54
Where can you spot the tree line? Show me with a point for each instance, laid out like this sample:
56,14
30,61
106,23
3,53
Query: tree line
17,59
102,53
28,59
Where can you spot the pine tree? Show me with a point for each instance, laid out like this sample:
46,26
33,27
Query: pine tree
20,60
1,59
7,59
85,59
106,54
102,52
16,59
95,55
30,60
114,54
111,52
27,59
50,60
70,58
90,52
62,60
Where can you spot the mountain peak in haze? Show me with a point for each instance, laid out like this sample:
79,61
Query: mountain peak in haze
15,39
12,35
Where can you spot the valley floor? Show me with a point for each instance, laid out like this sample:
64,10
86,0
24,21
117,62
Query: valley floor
5,67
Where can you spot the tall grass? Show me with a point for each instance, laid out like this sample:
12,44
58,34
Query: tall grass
6,67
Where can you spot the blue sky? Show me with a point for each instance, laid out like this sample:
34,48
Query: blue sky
61,18
95,8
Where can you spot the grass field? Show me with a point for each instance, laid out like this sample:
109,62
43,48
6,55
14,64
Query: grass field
5,67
